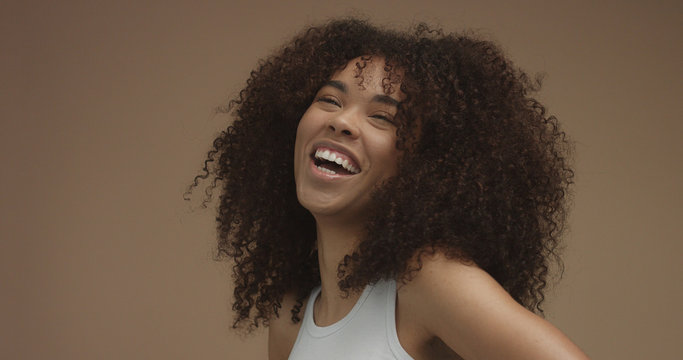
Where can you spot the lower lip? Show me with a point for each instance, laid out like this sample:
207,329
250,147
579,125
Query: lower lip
324,175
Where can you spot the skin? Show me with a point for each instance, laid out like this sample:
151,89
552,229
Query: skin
358,121
449,310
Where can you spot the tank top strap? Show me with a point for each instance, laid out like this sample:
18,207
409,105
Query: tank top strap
392,333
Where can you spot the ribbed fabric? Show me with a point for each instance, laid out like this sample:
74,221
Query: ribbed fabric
368,331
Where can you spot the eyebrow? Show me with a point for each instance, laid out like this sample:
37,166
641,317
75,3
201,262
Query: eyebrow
384,99
337,85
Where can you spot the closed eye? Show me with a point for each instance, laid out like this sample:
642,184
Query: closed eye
328,100
383,118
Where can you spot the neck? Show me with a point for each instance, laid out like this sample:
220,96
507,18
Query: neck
334,241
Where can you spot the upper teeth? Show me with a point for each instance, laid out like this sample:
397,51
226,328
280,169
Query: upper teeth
331,156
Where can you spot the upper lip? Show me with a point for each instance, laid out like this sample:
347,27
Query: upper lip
336,147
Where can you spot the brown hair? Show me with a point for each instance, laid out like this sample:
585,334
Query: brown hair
485,180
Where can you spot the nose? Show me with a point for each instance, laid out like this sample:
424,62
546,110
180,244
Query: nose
345,124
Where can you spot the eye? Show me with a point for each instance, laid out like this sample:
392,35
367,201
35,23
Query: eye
384,118
329,100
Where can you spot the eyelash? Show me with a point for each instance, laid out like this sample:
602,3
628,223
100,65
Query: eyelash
328,100
384,118
332,101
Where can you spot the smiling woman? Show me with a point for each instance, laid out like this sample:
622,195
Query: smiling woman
348,126
402,189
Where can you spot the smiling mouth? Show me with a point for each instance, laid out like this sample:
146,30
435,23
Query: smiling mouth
333,163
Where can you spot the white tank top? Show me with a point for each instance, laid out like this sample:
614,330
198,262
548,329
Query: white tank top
368,331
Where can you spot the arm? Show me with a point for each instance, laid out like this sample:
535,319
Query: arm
470,312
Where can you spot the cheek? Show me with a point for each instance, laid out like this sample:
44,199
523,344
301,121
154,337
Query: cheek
299,143
304,132
389,147
386,153
307,124
299,137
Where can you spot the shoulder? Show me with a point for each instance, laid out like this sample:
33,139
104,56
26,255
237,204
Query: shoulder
442,281
282,331
438,274
446,297
470,312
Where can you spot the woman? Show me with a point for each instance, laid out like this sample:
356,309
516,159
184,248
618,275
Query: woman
401,190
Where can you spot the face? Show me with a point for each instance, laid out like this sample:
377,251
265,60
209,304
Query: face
346,143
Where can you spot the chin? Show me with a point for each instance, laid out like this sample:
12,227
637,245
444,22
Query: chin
316,205
319,205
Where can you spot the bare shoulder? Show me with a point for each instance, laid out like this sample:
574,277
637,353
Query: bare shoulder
438,274
471,313
453,284
282,332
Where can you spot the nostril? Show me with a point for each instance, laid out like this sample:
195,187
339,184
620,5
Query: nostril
346,132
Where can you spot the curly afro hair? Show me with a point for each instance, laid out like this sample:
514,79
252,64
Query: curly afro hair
484,177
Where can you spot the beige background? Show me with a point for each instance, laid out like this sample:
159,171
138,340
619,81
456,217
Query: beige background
106,113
